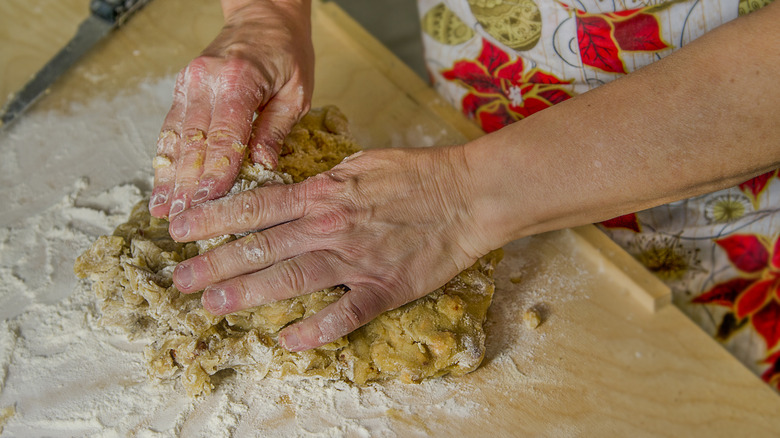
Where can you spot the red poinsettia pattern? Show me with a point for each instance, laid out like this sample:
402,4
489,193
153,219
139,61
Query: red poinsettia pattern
628,221
755,294
603,37
772,374
501,91
754,187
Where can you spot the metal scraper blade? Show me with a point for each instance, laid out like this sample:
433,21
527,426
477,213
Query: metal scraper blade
89,33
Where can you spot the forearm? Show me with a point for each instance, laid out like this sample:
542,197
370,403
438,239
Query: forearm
702,119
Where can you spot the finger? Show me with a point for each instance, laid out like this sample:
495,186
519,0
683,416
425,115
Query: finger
167,153
274,123
300,275
354,309
164,173
231,125
197,117
246,211
248,254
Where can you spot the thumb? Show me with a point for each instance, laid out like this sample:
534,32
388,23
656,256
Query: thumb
354,309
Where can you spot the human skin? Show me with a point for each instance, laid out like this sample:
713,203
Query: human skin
394,224
261,62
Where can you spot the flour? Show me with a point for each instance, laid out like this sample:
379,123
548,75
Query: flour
112,140
63,374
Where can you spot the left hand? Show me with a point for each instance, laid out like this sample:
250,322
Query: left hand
262,62
392,225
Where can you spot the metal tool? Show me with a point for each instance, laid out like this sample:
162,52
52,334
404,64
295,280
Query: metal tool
105,16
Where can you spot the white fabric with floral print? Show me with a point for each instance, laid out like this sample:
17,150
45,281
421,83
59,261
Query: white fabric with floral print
502,60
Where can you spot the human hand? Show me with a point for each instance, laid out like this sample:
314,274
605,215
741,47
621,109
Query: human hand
392,225
261,62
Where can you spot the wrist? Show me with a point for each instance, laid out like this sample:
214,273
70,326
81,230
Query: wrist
502,211
481,213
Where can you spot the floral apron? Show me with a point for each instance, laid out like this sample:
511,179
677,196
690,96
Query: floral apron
502,60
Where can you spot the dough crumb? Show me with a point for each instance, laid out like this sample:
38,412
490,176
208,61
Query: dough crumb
532,318
5,414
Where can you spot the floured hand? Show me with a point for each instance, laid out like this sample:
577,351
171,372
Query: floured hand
392,225
261,62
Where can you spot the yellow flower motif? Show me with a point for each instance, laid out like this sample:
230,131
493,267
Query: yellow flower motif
666,257
725,208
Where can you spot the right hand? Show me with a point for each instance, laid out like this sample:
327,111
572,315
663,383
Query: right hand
390,224
261,62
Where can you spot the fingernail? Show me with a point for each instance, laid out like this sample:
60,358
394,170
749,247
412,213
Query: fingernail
289,340
185,275
179,227
204,188
176,208
201,194
158,199
215,300
262,157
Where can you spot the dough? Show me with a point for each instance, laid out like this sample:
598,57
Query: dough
532,318
131,274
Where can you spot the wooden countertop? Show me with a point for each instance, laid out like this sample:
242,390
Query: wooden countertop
612,358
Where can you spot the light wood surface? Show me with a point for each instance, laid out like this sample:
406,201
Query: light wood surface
611,358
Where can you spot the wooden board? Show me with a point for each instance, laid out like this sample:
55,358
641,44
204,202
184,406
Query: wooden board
611,357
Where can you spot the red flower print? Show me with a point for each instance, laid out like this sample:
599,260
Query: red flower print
603,37
754,187
772,374
746,252
726,293
756,293
629,221
501,91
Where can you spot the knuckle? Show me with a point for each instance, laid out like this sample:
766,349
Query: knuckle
235,65
247,208
239,50
254,248
352,314
292,276
320,187
197,69
212,266
193,137
392,288
222,137
238,69
247,294
336,221
333,211
243,92
167,136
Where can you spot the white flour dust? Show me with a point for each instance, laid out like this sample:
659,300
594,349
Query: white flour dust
63,374
111,140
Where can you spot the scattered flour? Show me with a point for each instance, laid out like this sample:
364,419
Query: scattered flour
63,374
